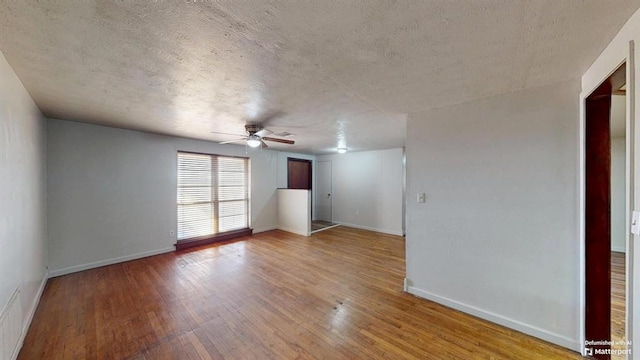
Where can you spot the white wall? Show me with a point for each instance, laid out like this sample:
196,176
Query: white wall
368,189
623,47
22,194
497,236
618,173
112,192
618,194
294,211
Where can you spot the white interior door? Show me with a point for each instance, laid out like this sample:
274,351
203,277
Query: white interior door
323,191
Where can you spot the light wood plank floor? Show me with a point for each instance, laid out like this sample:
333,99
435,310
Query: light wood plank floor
275,295
618,305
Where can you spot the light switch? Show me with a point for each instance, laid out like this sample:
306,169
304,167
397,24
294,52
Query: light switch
635,223
422,198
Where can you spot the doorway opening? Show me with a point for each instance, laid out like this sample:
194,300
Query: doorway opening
618,135
324,197
324,183
606,213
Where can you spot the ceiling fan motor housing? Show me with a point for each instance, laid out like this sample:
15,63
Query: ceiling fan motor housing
252,129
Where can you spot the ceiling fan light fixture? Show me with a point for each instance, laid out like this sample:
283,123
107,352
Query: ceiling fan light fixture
254,141
342,150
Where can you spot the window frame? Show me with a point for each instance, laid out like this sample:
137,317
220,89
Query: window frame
217,236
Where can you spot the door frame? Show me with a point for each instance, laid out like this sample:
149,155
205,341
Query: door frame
598,216
318,186
605,72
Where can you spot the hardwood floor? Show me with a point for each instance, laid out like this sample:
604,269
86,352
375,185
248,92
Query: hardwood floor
274,295
618,301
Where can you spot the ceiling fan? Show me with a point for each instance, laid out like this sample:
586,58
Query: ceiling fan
256,137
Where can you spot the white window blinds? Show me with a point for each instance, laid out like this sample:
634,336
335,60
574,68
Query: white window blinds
213,194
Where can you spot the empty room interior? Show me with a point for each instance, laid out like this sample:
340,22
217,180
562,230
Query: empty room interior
306,180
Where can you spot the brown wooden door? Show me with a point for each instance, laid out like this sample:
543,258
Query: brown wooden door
299,174
597,218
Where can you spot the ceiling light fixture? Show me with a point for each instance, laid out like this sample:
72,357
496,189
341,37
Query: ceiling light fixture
342,150
254,141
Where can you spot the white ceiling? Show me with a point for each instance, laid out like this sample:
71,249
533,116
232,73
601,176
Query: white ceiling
335,74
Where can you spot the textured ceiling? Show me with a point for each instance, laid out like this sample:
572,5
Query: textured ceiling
334,73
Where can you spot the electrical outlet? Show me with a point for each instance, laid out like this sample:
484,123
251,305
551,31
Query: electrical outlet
422,198
172,233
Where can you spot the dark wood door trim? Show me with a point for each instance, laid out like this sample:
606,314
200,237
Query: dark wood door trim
597,219
299,174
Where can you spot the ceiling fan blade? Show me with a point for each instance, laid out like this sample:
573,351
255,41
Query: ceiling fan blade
283,141
232,141
264,144
264,132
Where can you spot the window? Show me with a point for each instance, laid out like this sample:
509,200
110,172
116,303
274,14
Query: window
213,195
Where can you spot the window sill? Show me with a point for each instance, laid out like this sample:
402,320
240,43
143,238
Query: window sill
203,240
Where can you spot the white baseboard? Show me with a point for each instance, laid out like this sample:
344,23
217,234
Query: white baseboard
264,229
76,268
31,313
295,231
325,228
619,249
564,341
384,231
